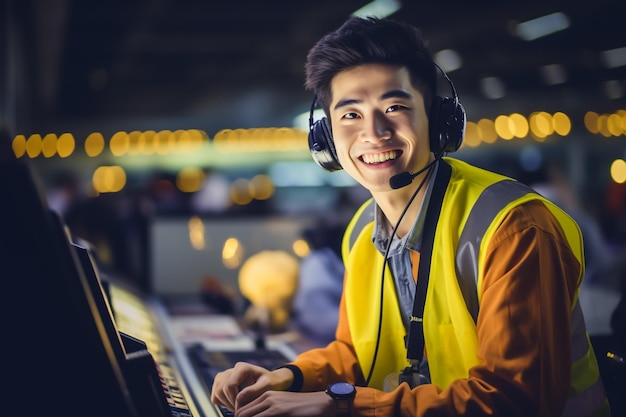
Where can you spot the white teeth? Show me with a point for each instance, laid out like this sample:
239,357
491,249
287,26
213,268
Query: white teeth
379,157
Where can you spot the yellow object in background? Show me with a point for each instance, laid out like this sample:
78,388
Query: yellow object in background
269,280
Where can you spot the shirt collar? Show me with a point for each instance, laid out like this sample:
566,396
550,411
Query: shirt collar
412,240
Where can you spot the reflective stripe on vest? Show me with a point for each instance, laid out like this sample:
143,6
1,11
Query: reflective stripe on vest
363,216
492,200
584,399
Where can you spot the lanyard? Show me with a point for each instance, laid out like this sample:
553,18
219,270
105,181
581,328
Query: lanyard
415,348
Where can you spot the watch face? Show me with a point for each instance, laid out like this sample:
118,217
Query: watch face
342,388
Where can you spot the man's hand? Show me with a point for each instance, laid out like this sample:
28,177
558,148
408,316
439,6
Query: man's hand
245,382
292,404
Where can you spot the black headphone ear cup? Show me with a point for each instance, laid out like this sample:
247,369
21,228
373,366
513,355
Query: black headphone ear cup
446,125
322,146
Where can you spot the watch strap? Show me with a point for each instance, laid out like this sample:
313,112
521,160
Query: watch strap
344,408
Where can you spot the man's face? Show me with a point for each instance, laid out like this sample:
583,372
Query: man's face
379,124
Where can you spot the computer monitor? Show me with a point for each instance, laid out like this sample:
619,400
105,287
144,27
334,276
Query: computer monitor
178,267
62,352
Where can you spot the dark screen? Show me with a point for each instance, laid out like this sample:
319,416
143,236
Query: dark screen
60,353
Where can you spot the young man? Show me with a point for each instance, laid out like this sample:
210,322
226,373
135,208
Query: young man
493,325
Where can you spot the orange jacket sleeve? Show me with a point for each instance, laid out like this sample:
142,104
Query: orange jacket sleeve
523,329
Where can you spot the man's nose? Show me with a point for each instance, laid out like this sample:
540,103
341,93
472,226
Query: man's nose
377,128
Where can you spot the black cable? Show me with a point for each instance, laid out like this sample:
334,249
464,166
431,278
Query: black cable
430,167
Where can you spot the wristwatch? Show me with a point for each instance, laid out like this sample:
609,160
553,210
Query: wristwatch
343,394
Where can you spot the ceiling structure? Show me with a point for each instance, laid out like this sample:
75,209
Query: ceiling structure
130,64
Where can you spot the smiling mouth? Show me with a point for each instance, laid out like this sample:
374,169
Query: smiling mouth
379,158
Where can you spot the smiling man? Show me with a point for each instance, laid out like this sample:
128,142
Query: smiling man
460,290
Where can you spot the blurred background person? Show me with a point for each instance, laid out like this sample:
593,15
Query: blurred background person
214,196
316,305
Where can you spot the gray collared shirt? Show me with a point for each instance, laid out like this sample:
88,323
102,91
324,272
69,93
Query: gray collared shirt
399,258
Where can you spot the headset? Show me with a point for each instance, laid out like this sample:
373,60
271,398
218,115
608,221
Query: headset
446,129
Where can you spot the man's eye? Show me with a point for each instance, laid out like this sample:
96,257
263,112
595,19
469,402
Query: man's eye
350,116
395,107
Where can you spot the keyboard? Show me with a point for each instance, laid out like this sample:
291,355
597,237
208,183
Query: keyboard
136,318
208,363
132,317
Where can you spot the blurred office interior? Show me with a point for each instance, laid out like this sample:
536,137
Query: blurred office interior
172,134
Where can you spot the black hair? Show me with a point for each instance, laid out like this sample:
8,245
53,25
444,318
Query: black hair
370,41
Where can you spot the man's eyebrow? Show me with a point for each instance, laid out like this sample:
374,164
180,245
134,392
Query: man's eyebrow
396,94
345,102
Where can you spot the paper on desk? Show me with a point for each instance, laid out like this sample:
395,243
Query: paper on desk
214,332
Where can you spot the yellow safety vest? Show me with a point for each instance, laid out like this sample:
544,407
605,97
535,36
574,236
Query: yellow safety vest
453,296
